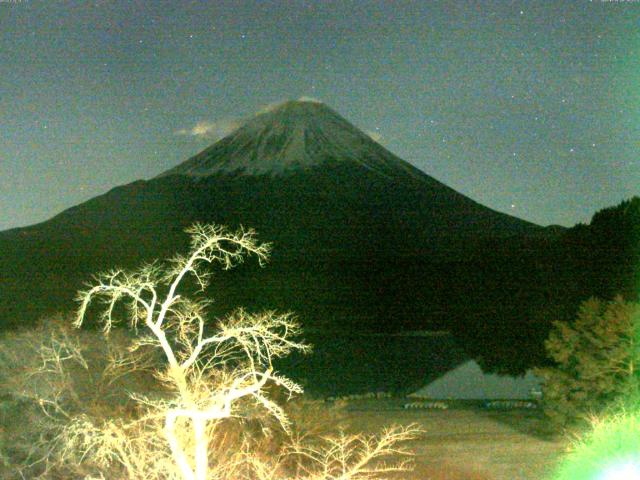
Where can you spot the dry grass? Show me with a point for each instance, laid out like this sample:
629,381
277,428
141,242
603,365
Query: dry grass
447,470
50,375
468,444
454,445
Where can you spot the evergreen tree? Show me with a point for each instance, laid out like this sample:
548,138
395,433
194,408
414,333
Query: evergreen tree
597,358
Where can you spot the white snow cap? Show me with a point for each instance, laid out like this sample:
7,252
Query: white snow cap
290,136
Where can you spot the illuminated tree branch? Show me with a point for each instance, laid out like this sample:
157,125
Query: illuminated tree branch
251,340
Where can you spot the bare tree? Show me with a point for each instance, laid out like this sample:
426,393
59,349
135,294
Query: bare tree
249,341
208,379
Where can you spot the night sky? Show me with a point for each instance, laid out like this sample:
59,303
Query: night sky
528,107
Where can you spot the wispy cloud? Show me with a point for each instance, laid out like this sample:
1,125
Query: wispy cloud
211,130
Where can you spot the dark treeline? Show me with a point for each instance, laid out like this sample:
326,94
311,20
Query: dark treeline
601,259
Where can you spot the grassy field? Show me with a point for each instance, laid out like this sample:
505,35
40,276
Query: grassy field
467,443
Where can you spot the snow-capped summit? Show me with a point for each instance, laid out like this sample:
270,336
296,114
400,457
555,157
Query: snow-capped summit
292,136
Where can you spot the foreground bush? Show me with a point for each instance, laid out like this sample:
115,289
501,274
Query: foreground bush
51,373
596,358
210,412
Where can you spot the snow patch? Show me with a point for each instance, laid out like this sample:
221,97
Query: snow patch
309,99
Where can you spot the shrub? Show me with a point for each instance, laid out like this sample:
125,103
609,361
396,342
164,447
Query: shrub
52,373
596,361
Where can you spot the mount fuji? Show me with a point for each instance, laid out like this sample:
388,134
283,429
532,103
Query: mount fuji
314,164
362,239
